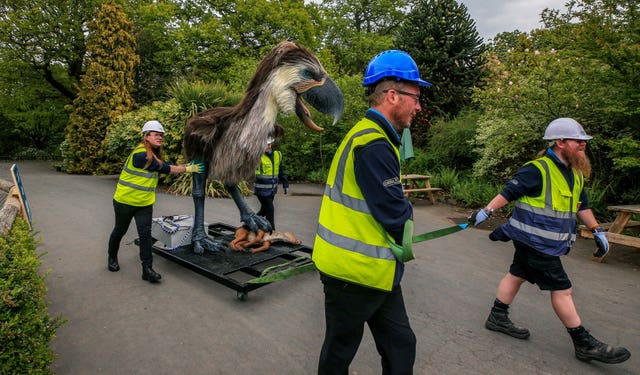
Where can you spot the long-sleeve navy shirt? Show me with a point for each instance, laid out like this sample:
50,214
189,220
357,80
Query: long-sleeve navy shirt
377,171
140,159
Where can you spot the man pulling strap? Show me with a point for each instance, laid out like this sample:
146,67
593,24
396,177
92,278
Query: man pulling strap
549,194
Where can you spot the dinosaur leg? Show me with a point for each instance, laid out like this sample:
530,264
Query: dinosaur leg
199,237
247,216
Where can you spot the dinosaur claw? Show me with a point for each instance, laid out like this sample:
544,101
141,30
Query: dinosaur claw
199,246
256,223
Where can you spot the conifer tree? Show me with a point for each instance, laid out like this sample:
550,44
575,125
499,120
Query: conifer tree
105,89
442,38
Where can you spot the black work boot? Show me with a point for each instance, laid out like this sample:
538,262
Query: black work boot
112,263
499,321
150,275
588,348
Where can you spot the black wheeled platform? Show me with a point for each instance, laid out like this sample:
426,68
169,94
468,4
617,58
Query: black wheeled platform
233,268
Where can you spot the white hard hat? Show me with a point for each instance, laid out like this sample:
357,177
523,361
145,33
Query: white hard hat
565,128
270,140
152,126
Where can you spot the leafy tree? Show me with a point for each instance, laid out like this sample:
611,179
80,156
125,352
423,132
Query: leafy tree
356,30
33,115
442,38
41,51
585,67
254,26
48,38
105,89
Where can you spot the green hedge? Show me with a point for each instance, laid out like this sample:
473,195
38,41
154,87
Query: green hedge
25,325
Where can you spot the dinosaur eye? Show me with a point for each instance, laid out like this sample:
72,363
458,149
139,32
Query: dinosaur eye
307,74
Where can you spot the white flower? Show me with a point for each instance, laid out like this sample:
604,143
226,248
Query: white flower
536,52
553,51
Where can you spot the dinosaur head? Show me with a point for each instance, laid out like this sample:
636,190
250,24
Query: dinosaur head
295,76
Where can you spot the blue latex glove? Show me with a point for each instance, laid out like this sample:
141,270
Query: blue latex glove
286,190
601,241
478,217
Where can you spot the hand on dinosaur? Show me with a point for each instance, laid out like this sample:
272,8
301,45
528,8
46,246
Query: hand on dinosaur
194,167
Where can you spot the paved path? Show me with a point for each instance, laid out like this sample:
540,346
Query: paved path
188,324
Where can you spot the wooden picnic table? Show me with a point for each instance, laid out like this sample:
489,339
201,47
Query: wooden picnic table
622,221
412,184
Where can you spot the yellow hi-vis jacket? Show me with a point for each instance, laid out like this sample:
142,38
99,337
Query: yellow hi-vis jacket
350,244
136,186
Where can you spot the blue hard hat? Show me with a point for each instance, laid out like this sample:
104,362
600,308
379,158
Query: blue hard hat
393,64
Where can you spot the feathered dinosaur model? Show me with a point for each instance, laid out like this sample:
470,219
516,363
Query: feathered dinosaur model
230,140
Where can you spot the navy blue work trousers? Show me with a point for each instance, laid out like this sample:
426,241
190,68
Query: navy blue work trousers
347,308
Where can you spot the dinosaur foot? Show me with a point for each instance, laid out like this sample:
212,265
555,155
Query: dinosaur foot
208,244
256,223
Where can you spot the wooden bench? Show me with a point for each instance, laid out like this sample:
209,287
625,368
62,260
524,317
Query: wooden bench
621,222
412,184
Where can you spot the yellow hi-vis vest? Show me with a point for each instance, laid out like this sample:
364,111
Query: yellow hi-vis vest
268,169
547,223
136,186
350,244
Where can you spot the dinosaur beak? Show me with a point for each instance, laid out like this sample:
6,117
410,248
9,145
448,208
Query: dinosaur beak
326,98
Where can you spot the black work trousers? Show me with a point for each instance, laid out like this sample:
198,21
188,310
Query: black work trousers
347,308
266,208
124,214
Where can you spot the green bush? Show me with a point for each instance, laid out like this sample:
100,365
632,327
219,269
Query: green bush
450,142
183,184
445,178
474,193
25,326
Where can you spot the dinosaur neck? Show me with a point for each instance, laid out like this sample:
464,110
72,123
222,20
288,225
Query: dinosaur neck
238,157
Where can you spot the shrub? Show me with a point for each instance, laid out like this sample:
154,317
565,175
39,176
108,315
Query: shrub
25,326
125,134
474,193
183,185
450,142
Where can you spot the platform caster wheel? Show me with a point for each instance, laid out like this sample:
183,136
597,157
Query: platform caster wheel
243,296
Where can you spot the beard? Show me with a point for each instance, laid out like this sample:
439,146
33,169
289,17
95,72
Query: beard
580,162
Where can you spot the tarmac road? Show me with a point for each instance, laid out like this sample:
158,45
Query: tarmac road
189,324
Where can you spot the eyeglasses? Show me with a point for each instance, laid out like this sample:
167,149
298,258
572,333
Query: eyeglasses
157,135
415,96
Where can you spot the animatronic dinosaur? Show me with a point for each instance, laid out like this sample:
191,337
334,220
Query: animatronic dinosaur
244,239
230,140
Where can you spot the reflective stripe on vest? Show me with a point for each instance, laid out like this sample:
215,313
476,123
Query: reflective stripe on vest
136,186
547,223
267,173
350,244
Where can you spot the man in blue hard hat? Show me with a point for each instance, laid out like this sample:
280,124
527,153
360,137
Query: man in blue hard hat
359,247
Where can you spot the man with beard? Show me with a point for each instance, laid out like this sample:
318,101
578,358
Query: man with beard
549,194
